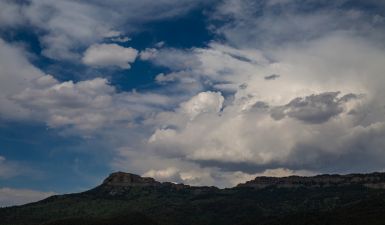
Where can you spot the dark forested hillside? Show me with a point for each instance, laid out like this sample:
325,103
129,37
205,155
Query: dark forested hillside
127,199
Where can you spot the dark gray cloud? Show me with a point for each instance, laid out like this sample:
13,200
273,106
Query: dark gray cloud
314,108
261,105
246,167
360,146
272,77
349,97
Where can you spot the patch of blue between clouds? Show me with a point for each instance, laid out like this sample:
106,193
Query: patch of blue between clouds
183,33
49,161
68,164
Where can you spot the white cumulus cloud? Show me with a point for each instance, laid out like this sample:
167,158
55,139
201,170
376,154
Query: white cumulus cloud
104,55
204,102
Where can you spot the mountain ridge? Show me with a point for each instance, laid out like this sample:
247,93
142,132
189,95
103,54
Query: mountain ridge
370,180
123,198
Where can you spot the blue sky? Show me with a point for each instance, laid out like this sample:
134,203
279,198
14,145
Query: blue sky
200,92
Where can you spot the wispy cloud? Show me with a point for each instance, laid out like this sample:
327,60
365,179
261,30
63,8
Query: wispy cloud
12,196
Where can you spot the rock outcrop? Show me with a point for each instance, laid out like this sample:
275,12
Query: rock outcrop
372,180
121,183
121,179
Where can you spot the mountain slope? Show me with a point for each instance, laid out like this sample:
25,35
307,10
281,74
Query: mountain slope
125,198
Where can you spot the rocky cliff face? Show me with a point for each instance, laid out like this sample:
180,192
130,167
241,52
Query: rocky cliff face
120,183
121,179
373,180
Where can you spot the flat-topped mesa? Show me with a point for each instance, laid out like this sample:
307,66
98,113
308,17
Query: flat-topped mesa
372,180
121,179
118,182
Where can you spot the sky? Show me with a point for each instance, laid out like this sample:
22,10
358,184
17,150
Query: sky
201,92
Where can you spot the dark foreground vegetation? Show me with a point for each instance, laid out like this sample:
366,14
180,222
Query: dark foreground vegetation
126,199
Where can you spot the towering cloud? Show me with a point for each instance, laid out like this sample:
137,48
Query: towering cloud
283,87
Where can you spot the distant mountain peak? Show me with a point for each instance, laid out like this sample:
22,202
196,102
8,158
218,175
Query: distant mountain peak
122,179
